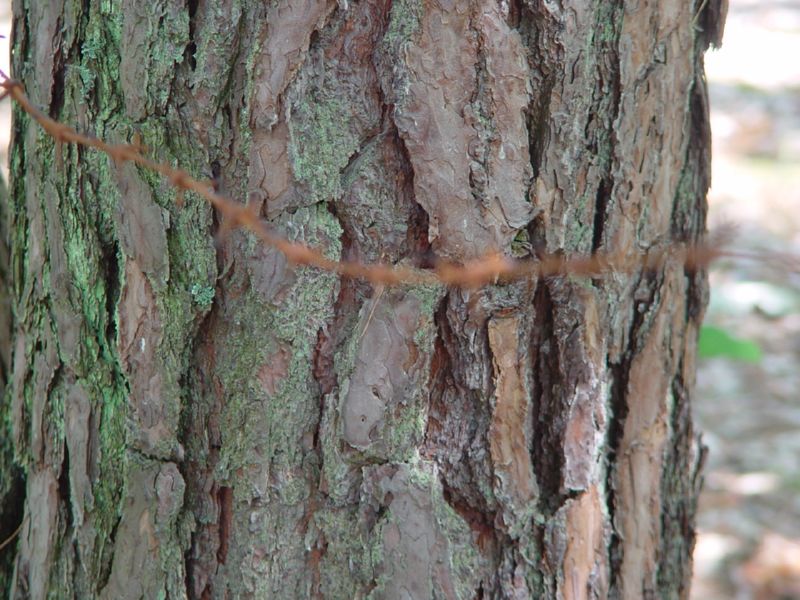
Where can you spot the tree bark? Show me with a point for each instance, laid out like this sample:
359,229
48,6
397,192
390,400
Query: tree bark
193,417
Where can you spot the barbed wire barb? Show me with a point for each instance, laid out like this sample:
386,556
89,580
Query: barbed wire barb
492,268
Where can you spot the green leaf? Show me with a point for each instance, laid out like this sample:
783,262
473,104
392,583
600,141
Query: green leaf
715,341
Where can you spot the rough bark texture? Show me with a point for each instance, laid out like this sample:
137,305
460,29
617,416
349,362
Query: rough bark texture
196,419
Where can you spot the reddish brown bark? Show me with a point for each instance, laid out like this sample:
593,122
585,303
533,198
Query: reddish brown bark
195,418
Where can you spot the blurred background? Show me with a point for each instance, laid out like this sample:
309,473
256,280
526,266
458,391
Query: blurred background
748,382
748,385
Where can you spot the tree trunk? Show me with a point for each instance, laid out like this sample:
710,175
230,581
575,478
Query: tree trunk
195,418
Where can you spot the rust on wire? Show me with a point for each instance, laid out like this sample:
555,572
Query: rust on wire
491,268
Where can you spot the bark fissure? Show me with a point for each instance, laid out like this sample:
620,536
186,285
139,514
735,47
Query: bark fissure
618,412
600,208
619,408
538,120
606,146
191,47
546,402
111,259
680,482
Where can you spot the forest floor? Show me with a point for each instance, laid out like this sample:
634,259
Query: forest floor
749,522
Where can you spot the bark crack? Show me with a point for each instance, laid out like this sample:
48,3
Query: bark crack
607,145
57,88
191,47
547,455
618,408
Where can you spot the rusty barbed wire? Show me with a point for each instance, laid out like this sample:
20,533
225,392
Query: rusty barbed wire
491,268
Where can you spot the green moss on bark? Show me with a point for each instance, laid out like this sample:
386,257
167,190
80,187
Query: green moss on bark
321,144
404,22
252,416
346,565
